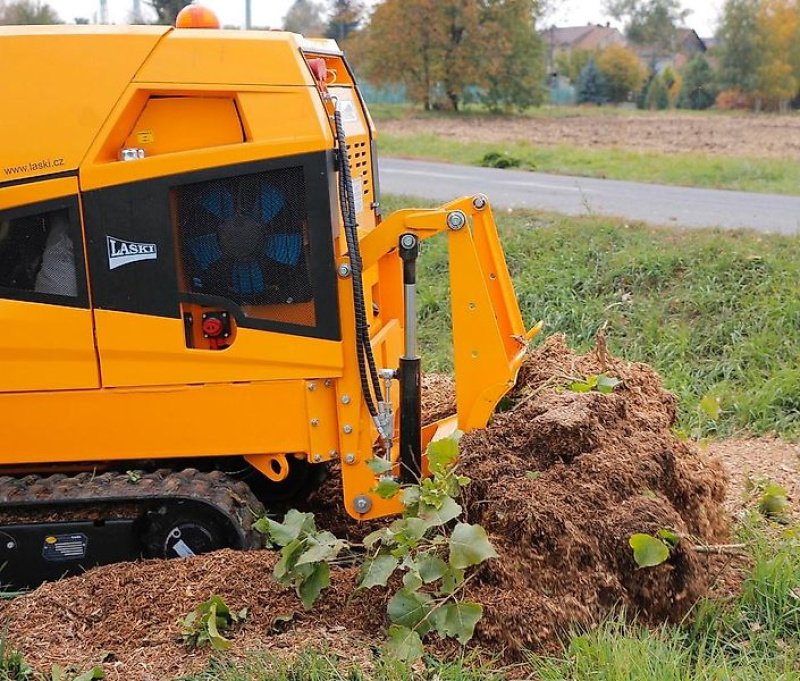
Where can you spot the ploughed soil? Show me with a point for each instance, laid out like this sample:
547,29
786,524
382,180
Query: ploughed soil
747,135
560,481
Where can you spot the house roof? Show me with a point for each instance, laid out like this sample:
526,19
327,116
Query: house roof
581,37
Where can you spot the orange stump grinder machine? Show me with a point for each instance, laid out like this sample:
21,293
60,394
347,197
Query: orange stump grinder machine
199,299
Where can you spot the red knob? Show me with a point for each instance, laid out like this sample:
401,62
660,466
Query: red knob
212,327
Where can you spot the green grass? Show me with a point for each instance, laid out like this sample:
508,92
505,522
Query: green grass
771,175
716,313
321,665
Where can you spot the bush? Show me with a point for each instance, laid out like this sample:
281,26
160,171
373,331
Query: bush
698,91
657,95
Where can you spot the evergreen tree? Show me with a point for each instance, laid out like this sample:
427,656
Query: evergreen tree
344,19
699,89
657,97
591,87
305,17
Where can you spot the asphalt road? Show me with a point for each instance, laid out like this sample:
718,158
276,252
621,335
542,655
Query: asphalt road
656,204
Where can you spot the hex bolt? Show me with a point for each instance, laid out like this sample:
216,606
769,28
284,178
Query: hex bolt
362,503
456,220
408,241
333,454
312,386
479,202
343,270
328,383
348,429
345,399
314,422
317,458
350,459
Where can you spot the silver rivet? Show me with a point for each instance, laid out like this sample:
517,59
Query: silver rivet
479,202
312,386
317,458
343,270
11,545
348,428
362,503
333,454
350,459
314,422
456,220
345,399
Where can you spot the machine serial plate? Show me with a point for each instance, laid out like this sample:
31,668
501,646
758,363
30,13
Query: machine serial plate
61,547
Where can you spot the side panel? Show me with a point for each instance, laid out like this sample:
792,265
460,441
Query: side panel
181,264
47,340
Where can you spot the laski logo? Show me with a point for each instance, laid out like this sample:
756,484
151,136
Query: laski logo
125,252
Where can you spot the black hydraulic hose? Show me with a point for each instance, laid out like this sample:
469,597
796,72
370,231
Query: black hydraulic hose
366,360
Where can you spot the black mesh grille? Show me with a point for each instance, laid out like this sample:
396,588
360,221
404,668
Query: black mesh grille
245,238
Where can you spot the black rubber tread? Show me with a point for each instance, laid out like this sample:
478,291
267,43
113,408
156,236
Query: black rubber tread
231,499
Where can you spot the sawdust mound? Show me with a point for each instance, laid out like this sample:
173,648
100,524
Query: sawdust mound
561,482
126,615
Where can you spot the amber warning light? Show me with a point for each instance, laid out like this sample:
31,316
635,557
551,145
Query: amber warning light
196,16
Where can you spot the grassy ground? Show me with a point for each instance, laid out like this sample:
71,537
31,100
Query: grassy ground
779,176
753,636
717,313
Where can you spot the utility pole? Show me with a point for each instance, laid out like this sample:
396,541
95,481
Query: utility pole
248,14
103,11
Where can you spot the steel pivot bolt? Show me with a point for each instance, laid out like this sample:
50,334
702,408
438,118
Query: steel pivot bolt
456,220
408,241
362,503
479,202
343,270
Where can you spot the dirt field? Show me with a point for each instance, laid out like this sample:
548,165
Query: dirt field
724,135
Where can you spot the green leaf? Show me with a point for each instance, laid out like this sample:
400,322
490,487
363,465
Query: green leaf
773,501
606,384
376,572
580,387
409,608
386,488
410,495
91,675
293,524
710,406
324,546
412,581
379,466
374,537
261,525
433,517
442,453
457,620
533,475
648,551
451,580
218,641
404,644
311,587
469,545
669,537
431,568
288,560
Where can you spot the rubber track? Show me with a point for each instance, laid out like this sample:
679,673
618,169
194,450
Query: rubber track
232,499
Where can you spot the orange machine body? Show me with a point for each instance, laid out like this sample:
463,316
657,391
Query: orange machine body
132,139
